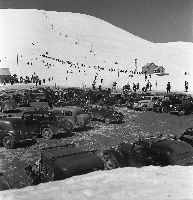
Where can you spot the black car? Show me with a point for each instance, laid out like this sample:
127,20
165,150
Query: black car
12,131
105,114
45,123
168,102
187,136
185,108
9,106
61,162
151,151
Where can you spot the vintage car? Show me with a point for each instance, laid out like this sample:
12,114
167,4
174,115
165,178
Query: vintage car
45,123
12,131
146,104
4,184
185,108
9,106
105,114
116,99
37,94
61,162
187,136
74,114
168,102
150,151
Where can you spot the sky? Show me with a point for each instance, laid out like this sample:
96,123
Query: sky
154,20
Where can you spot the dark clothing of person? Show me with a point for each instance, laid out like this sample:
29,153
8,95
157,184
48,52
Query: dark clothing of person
168,88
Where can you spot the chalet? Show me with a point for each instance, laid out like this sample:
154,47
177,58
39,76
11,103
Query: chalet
159,70
149,68
5,75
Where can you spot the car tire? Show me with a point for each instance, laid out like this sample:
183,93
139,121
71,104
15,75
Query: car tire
107,120
8,142
164,110
144,108
181,113
47,133
109,162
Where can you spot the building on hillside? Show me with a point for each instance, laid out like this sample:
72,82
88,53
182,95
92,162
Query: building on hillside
5,75
149,68
159,70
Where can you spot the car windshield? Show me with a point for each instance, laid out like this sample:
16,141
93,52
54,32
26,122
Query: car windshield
18,124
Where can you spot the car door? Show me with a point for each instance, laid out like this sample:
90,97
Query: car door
32,122
138,156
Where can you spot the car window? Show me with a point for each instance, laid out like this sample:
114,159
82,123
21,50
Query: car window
68,113
28,116
48,116
37,116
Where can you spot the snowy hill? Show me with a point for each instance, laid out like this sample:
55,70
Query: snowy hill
72,49
147,183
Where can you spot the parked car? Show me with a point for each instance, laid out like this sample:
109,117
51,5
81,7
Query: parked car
146,104
12,131
45,123
105,114
168,102
151,151
9,106
187,136
74,114
185,108
4,184
58,163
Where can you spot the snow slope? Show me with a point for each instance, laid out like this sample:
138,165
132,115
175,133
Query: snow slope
73,49
148,183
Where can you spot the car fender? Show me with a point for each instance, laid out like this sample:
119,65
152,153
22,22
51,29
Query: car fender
116,156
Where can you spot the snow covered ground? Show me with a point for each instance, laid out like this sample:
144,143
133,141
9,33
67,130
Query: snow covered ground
74,49
156,183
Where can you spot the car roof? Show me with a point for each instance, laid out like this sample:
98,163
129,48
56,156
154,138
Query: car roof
11,119
179,147
38,112
59,152
69,108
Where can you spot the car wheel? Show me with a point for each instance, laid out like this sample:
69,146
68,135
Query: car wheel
164,110
109,162
8,142
107,120
47,133
182,112
144,108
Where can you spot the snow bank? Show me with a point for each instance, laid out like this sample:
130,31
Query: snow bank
174,183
